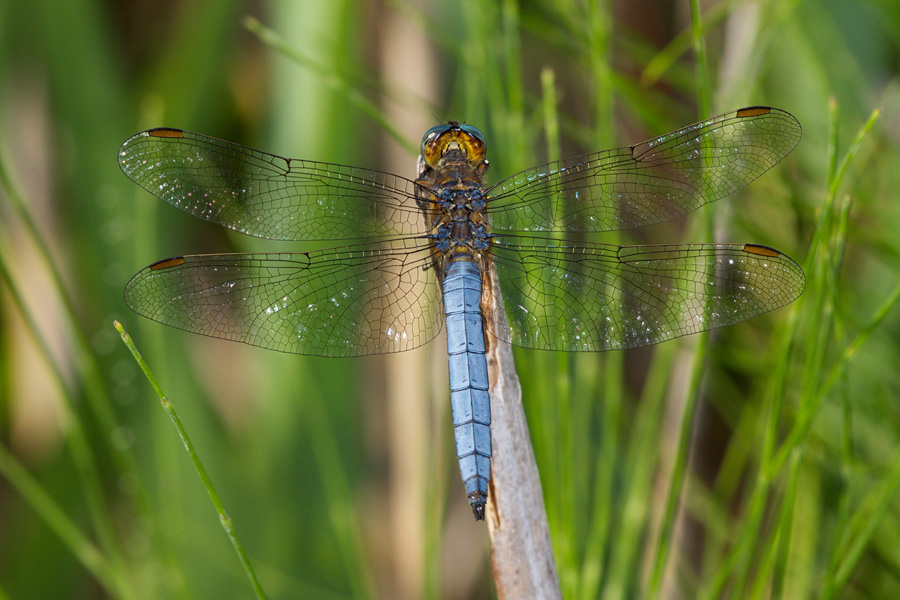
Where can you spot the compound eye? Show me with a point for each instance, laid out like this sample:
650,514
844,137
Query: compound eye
473,131
432,134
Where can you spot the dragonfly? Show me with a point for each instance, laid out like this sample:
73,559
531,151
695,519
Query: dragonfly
415,256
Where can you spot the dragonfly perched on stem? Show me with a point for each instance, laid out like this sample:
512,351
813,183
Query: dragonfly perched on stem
426,249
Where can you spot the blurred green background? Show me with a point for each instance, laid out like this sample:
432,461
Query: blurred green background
760,462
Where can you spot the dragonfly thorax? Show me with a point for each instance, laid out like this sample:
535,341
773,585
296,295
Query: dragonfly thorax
453,200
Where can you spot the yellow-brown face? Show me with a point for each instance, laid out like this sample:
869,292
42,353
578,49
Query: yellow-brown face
442,138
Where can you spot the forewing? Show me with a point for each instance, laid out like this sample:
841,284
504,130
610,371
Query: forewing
348,301
652,182
265,195
601,297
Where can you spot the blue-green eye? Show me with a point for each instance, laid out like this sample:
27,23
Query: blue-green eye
433,133
443,128
473,131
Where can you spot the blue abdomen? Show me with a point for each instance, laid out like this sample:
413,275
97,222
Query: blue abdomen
469,399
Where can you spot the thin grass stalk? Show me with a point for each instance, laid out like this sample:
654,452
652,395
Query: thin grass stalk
747,535
785,532
596,573
512,58
562,410
88,370
755,584
878,504
224,518
819,241
833,583
699,351
337,82
43,504
114,575
698,43
664,60
337,499
738,561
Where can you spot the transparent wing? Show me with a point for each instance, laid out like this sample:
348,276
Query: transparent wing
265,195
601,297
652,182
348,301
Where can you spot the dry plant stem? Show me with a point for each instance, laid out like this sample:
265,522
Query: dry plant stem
521,553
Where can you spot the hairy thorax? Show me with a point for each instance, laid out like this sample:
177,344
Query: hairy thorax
454,207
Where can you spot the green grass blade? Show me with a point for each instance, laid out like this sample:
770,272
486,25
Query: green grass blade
62,526
334,80
86,465
224,518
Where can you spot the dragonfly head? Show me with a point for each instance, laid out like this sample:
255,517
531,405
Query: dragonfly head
446,137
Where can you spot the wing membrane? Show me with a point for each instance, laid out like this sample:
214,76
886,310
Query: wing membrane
601,297
348,301
265,195
652,182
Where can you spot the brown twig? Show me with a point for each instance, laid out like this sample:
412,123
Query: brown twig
521,553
